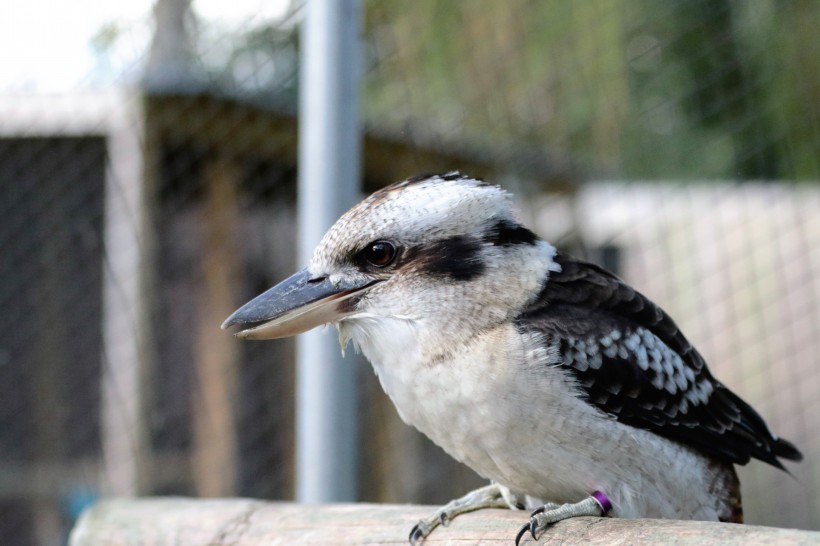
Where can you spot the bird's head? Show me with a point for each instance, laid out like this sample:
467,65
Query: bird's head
442,254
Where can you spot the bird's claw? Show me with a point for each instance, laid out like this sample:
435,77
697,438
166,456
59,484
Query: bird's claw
521,533
423,528
598,504
531,525
485,497
418,531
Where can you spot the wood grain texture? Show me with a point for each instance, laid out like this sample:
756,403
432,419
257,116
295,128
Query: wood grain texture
241,522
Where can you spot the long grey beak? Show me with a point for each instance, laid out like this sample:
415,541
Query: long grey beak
295,305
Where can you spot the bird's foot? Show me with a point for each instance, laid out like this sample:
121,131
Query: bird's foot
489,496
597,504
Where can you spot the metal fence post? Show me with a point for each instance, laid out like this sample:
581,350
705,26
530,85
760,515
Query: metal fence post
329,170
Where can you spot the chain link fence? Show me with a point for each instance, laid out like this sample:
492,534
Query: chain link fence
674,142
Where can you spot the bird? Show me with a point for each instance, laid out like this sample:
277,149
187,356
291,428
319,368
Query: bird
566,388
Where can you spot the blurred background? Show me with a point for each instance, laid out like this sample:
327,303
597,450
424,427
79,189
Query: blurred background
148,164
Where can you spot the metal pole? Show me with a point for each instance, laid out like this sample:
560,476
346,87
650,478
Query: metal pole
329,170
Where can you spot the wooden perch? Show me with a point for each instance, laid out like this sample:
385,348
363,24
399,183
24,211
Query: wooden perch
240,522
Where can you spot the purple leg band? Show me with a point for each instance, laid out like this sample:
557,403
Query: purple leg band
603,501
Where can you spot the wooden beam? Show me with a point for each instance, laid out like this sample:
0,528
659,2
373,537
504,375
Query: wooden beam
154,522
215,435
243,130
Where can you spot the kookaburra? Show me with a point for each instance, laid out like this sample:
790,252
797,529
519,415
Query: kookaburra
550,376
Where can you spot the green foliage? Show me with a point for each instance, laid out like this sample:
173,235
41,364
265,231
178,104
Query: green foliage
660,89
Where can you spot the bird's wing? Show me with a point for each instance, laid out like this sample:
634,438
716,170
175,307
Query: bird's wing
632,362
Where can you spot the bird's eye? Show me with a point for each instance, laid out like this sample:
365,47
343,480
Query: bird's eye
380,253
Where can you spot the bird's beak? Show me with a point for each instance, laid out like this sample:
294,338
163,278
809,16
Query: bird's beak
296,305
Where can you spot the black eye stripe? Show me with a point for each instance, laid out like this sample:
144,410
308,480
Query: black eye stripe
458,258
506,233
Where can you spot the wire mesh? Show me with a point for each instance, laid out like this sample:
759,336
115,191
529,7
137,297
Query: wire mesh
675,142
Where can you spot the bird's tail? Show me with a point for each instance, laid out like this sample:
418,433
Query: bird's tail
786,450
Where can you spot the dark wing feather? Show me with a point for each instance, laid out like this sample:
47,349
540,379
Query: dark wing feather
632,361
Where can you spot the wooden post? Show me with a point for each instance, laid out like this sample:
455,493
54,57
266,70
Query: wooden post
240,522
215,438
